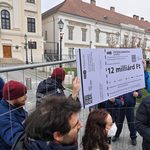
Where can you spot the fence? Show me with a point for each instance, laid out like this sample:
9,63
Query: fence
50,57
36,73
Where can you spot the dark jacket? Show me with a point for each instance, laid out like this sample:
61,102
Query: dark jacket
24,143
21,143
1,88
11,124
129,100
49,87
111,107
142,122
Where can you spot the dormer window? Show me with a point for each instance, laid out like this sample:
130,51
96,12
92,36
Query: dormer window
31,1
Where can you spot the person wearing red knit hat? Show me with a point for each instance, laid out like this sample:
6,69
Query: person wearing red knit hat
53,86
12,114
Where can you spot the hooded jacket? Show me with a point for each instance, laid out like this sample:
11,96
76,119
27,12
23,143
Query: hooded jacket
49,87
11,124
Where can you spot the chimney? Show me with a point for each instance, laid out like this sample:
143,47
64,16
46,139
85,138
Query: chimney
134,16
137,17
142,19
93,2
112,9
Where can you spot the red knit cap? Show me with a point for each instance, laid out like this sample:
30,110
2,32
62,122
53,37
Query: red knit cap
16,90
59,72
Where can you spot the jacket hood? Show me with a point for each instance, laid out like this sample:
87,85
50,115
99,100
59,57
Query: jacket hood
49,84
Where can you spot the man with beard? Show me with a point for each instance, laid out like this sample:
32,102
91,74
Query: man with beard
12,115
54,125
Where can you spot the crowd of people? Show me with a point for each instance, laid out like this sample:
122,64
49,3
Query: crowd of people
54,124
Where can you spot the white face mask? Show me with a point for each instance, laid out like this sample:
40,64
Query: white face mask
112,131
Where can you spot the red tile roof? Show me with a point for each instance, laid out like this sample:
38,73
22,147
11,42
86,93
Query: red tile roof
83,9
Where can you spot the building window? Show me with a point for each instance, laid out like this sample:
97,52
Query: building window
31,1
117,39
31,24
5,16
70,33
145,43
139,43
84,35
97,37
33,46
125,41
71,53
133,42
45,35
107,38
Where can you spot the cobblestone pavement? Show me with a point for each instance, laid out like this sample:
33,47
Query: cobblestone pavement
123,142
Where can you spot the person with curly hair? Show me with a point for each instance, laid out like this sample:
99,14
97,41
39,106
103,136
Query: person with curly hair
99,128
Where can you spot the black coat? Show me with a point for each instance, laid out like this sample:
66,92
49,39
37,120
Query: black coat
49,87
142,122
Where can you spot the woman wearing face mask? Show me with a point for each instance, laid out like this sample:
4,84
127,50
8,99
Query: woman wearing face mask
98,128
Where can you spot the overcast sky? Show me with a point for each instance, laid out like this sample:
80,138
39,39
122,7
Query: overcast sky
126,7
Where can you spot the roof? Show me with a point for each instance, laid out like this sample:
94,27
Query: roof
83,9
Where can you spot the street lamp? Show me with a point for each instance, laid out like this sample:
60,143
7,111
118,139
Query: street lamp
90,44
60,26
25,37
31,44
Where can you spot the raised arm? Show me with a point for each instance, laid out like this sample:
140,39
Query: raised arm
147,77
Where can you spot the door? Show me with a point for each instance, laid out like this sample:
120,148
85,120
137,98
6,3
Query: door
7,52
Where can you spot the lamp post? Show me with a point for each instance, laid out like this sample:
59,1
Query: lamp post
60,26
25,37
90,44
31,44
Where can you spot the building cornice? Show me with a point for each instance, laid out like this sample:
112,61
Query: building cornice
105,23
77,45
5,5
30,13
18,34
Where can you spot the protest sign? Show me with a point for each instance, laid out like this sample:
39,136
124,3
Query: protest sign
108,73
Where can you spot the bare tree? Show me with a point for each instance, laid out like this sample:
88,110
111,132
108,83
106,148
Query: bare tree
130,40
112,41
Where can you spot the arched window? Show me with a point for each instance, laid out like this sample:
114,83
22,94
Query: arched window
5,17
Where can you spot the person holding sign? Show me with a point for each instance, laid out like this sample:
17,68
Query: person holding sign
53,86
98,128
112,106
147,77
128,111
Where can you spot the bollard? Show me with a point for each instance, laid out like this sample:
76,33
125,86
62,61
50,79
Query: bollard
28,83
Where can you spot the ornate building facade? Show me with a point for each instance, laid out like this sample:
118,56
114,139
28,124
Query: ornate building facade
89,26
20,18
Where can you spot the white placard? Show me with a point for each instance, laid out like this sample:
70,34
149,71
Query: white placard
108,73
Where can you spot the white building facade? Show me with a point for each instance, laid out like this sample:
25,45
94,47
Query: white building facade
20,18
85,31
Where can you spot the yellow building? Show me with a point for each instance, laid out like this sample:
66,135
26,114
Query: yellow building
20,18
